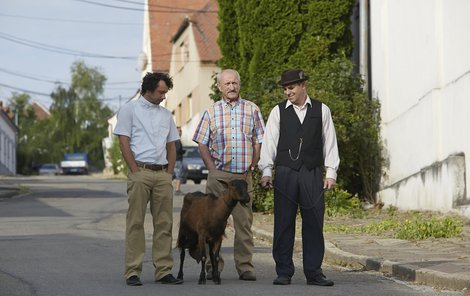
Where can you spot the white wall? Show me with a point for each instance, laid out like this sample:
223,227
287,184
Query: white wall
7,146
420,69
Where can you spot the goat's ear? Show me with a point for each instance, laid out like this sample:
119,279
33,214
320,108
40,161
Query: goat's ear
223,183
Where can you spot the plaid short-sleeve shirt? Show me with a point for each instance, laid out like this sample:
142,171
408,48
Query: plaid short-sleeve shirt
230,132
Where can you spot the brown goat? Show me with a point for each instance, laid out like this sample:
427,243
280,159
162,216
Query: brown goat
203,220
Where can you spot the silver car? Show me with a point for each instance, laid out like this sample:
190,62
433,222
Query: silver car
49,169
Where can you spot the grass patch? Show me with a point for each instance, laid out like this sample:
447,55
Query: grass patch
23,189
346,214
410,225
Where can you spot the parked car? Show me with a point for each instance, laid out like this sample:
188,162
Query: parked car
193,165
49,169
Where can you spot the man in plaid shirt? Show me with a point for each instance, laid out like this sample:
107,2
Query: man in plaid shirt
229,136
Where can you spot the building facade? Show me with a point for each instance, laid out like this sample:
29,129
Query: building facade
420,72
8,139
193,68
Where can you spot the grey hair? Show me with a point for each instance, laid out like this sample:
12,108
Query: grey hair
219,75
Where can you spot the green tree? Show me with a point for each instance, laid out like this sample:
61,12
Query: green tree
79,119
228,38
261,38
78,122
118,163
26,117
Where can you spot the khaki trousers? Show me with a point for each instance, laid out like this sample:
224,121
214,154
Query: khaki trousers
143,187
242,220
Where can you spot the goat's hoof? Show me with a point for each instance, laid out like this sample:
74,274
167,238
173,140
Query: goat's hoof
202,281
217,282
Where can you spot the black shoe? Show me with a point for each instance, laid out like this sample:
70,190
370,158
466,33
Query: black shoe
282,280
170,279
133,281
320,280
247,276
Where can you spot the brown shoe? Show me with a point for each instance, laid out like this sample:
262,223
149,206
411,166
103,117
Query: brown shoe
247,276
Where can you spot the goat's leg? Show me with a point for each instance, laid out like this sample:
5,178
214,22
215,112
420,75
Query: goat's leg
214,249
201,246
202,275
180,273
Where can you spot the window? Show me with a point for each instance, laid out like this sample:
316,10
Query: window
182,55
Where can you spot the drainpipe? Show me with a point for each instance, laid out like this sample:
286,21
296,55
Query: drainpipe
364,56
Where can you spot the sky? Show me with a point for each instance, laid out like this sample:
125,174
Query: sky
40,40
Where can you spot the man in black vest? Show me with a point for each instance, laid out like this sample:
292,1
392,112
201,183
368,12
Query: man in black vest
300,141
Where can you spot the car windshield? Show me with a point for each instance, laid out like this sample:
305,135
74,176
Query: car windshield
48,166
191,152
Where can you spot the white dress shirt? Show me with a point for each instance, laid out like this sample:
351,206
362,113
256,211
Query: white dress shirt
271,139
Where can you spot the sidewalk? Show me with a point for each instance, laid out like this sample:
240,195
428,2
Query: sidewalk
440,263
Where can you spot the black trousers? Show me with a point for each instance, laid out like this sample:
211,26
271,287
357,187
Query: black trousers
294,189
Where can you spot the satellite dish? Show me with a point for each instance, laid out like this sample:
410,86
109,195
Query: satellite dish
142,61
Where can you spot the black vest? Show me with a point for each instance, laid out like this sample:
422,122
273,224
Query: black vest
292,133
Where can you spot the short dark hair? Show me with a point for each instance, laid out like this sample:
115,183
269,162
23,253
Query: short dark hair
150,81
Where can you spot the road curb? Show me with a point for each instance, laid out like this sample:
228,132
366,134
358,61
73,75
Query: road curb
8,192
403,271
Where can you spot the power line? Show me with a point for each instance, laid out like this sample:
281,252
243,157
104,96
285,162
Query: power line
157,5
57,49
170,9
28,76
35,78
47,95
25,90
62,50
67,20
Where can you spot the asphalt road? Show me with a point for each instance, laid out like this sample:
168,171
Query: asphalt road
66,237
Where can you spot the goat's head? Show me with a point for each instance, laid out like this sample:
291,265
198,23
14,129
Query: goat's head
238,190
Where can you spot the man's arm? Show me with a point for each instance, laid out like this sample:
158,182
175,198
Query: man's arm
127,153
256,154
330,149
206,156
171,156
269,147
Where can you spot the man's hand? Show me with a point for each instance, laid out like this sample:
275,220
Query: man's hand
329,183
267,182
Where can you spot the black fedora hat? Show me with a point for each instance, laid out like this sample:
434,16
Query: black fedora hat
292,76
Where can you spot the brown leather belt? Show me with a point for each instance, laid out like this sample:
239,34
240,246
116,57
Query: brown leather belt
153,167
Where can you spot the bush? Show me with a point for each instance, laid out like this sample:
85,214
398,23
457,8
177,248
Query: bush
263,199
117,161
339,202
